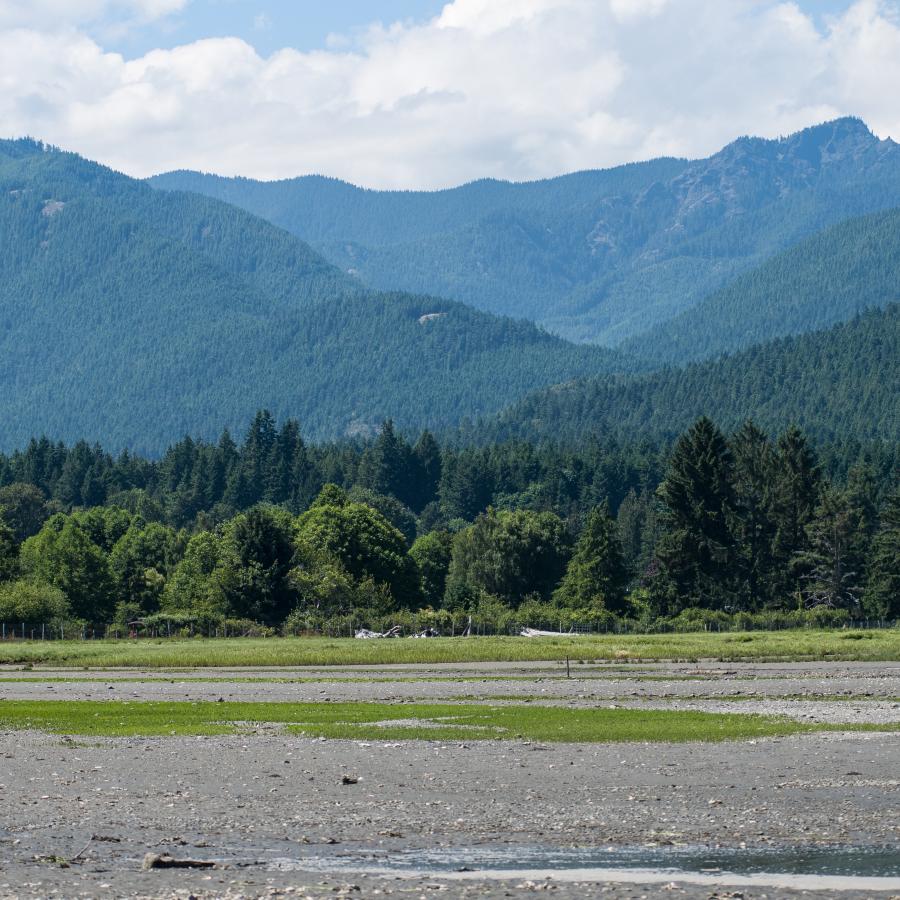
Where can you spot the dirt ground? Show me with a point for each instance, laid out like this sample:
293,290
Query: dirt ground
77,817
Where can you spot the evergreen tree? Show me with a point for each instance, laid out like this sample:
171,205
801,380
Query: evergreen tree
640,527
697,552
753,518
797,487
23,507
385,466
596,574
882,598
426,461
832,564
465,487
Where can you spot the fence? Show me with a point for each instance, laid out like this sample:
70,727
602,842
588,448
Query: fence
347,628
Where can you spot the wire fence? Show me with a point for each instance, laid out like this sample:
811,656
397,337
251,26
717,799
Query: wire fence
24,631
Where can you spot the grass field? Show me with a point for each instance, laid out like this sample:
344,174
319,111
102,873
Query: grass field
878,645
382,721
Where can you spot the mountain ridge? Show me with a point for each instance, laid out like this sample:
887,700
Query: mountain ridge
837,384
598,256
131,316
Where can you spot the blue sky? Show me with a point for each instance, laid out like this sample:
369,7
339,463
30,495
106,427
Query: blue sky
455,90
270,25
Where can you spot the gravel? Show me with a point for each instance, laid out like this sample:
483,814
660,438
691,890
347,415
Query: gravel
246,801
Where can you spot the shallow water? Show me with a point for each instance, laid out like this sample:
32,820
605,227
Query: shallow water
872,868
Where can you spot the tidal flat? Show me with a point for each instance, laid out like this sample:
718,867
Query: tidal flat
773,768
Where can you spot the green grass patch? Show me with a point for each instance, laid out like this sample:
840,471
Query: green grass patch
384,721
882,645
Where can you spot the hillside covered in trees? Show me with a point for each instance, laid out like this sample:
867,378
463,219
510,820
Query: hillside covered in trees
719,529
828,278
839,384
132,316
595,256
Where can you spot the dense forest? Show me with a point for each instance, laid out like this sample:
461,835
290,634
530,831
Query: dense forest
596,256
275,533
129,315
828,278
839,384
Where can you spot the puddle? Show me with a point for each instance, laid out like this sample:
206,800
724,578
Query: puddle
876,869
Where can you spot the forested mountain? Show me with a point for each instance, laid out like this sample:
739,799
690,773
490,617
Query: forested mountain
132,316
597,256
825,279
839,384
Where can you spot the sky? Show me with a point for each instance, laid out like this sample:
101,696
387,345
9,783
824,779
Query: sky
431,93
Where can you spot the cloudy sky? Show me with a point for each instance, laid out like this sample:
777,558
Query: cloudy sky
421,93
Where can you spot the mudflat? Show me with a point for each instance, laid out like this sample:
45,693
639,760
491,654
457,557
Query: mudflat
280,813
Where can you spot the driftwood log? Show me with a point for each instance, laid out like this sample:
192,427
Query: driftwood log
157,861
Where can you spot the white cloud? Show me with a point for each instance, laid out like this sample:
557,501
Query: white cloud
505,88
57,13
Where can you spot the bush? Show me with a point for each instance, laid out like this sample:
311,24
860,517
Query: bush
33,602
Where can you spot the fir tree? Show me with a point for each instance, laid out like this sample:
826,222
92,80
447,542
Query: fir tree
882,598
596,574
832,564
753,521
797,486
696,552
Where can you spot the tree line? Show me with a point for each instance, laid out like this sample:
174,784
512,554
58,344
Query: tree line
277,533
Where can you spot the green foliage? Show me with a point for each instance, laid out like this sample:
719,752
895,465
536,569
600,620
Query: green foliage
193,587
697,551
399,515
63,555
9,553
256,557
363,542
23,507
139,563
508,555
32,602
596,575
882,596
736,530
833,564
432,553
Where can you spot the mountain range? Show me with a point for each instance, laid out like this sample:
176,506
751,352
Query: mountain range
759,282
597,256
132,316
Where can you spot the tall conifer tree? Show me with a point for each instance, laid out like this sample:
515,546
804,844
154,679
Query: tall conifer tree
597,573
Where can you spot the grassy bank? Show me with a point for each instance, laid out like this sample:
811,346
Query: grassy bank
876,645
382,721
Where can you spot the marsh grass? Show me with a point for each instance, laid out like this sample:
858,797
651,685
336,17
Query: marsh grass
383,721
801,645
